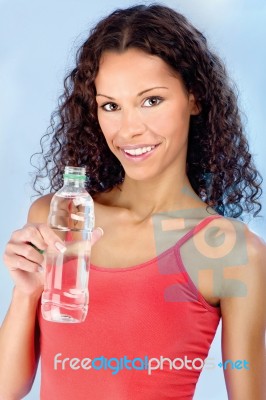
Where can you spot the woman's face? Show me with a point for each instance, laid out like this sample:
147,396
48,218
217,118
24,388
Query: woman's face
144,112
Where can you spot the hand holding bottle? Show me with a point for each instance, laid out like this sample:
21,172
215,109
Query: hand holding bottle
24,261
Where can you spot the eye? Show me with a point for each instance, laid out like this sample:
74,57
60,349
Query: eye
109,107
152,101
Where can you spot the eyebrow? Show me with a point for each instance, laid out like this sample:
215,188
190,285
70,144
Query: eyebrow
139,94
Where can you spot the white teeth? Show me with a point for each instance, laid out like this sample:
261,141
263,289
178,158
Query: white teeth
141,150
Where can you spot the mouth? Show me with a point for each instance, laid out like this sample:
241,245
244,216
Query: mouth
139,153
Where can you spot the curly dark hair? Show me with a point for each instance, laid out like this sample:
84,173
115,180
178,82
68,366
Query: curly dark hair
219,165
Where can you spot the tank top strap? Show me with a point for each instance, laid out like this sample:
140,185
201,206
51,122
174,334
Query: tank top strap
196,229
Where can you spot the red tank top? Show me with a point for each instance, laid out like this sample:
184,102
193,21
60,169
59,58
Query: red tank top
146,333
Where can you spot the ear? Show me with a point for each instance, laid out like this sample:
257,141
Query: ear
195,108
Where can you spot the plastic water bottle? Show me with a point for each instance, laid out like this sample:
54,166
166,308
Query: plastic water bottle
66,297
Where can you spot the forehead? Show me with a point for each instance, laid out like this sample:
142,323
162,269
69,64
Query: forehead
134,66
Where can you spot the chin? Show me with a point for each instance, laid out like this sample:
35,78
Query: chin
140,177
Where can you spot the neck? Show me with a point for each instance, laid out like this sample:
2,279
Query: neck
144,198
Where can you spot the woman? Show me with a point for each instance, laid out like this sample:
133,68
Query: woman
149,111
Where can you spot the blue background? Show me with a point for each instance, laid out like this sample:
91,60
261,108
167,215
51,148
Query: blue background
38,41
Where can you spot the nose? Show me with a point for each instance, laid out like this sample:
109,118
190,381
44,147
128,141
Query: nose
131,123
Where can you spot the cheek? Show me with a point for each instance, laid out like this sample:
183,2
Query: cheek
175,121
167,125
109,125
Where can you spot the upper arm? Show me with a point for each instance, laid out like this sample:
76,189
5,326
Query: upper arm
39,210
244,323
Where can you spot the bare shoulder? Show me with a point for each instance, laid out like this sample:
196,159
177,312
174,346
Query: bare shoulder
244,260
256,247
255,271
243,309
39,209
244,240
228,237
235,254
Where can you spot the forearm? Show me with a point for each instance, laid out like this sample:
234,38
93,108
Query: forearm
247,386
245,378
17,347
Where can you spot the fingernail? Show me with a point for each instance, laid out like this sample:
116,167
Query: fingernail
40,268
100,230
60,247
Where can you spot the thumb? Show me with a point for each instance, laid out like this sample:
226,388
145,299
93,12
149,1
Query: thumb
96,235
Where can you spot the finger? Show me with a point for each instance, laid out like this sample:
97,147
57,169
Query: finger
25,250
30,233
40,235
20,263
35,248
51,238
96,235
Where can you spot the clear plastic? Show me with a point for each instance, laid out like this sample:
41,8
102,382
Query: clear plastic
65,297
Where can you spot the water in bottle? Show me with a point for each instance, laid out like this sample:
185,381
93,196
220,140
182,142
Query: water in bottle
66,297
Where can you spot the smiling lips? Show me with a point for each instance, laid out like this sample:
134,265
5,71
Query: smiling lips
138,150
